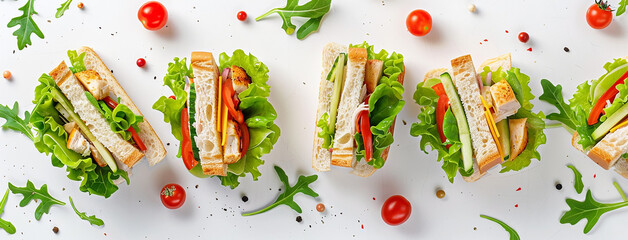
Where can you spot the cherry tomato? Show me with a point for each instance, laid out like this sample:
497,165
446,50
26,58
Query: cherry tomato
140,62
80,5
6,74
153,15
599,15
241,15
419,22
396,210
172,196
524,37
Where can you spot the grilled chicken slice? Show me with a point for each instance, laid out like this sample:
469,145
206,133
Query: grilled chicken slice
240,79
92,81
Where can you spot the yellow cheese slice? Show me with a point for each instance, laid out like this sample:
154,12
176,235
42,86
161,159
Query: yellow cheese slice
225,114
219,124
624,123
493,127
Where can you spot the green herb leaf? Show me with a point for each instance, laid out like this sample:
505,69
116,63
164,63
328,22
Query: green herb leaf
91,219
14,122
554,95
64,6
513,234
578,185
314,10
589,209
286,198
27,25
31,193
6,225
622,7
171,108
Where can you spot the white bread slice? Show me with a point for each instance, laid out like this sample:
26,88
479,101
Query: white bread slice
504,61
121,150
518,136
362,168
435,73
504,100
607,151
321,157
232,149
484,146
621,167
342,154
155,150
206,78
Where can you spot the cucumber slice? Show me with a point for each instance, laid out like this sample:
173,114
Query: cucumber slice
65,103
192,113
610,122
331,75
504,137
609,79
461,119
338,84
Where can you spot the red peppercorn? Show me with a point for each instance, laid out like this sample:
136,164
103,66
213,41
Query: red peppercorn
6,74
80,5
524,37
241,15
141,62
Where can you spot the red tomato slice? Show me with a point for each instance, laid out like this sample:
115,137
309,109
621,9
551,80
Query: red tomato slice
227,97
441,109
439,89
186,141
245,137
367,136
609,95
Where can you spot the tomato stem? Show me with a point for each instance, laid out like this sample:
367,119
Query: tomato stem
604,5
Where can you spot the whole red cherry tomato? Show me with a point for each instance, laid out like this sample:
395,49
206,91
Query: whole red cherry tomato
172,196
153,15
241,15
419,22
524,37
599,15
396,210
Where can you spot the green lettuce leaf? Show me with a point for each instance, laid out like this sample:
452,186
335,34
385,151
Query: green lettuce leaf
326,134
77,61
385,103
171,108
119,119
259,116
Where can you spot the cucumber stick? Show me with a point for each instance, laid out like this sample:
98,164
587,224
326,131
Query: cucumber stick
338,81
65,103
461,119
610,122
504,137
192,113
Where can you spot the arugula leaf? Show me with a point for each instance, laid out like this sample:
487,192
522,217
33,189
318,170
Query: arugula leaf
622,7
578,185
286,198
31,193
64,6
14,122
513,234
554,95
314,10
589,209
6,225
27,25
91,219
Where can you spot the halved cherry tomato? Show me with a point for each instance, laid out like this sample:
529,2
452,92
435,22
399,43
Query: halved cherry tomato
245,137
172,196
367,136
396,210
441,109
609,95
227,97
186,141
113,104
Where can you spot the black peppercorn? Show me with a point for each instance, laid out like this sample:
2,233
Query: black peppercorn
559,186
299,219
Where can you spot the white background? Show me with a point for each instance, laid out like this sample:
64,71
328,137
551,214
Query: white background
135,211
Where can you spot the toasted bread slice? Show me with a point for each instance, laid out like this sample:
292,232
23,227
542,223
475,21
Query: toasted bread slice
504,100
504,61
155,150
232,149
518,136
121,150
607,151
321,157
484,146
342,154
435,73
206,78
